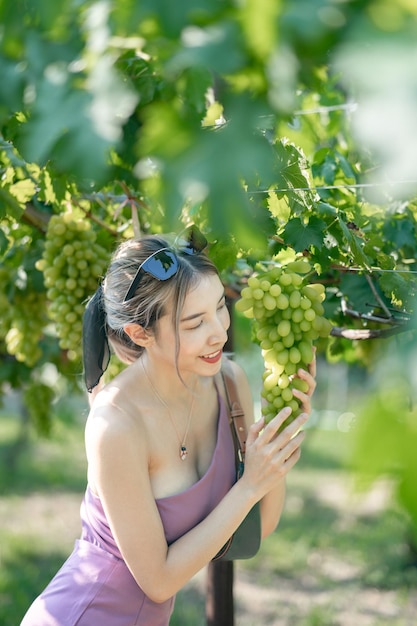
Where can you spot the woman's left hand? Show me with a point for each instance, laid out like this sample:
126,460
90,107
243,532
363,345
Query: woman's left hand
310,378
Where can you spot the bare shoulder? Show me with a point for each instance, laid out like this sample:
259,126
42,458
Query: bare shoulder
115,432
112,412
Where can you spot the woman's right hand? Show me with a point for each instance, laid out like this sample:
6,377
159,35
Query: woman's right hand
271,454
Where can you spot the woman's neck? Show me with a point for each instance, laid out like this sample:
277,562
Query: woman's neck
169,383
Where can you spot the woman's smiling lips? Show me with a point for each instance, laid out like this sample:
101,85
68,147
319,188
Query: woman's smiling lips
213,357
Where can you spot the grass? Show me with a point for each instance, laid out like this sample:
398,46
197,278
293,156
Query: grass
337,559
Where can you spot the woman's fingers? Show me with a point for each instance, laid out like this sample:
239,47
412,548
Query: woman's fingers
271,430
271,451
309,378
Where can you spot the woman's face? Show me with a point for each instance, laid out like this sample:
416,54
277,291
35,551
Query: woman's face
203,325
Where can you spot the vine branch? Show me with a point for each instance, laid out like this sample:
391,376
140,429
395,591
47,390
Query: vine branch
370,333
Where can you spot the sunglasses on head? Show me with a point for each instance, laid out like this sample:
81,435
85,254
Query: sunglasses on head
163,264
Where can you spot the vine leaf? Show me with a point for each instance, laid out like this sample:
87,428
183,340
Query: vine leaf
23,191
397,287
301,235
355,245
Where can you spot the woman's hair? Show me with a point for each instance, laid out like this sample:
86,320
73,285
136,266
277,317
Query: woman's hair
152,296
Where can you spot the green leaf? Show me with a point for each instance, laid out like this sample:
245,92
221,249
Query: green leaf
400,288
401,231
197,81
46,189
172,17
301,236
345,167
358,293
355,245
260,25
4,242
326,209
59,129
215,47
328,171
292,175
9,204
23,190
278,207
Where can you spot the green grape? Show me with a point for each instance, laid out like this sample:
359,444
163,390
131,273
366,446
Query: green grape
287,395
269,302
300,266
253,282
300,384
282,357
72,263
275,290
305,303
287,316
295,299
288,340
294,355
283,301
309,315
284,328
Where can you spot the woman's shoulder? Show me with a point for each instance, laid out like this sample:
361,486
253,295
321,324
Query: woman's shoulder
115,412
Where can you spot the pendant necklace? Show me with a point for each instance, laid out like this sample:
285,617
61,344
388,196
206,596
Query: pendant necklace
183,449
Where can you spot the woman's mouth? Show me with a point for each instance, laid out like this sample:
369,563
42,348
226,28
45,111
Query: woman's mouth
213,357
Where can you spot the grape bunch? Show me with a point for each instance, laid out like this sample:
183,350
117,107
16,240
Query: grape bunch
72,263
38,398
287,317
22,318
26,326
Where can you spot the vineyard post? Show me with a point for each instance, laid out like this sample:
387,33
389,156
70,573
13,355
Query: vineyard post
220,574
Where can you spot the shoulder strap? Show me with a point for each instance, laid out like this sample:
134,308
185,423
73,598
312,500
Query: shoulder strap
236,413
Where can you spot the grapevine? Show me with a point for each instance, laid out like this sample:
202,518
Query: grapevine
288,316
72,263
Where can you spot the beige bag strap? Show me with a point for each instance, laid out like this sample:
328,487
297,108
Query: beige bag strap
236,414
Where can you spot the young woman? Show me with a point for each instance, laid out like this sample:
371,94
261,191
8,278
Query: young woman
162,498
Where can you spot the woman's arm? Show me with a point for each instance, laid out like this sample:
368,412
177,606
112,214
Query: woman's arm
118,468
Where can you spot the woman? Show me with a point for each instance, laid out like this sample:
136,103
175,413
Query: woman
161,499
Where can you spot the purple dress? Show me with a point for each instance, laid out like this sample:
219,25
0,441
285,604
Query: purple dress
94,587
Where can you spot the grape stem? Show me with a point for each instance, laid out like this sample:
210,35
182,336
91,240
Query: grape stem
377,296
36,218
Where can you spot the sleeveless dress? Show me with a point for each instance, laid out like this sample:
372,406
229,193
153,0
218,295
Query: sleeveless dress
94,587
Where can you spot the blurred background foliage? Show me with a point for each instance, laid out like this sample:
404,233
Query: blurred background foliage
278,126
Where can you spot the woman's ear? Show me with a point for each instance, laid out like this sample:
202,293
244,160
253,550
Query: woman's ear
139,335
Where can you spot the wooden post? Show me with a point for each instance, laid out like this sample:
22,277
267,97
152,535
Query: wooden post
219,593
219,598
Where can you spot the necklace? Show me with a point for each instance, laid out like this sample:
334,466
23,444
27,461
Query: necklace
183,449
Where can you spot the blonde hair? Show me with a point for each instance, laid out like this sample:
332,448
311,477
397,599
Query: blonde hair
152,298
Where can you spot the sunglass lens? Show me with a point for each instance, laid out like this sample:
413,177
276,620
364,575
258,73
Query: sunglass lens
161,265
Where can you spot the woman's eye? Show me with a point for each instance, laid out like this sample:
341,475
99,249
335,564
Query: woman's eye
196,326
